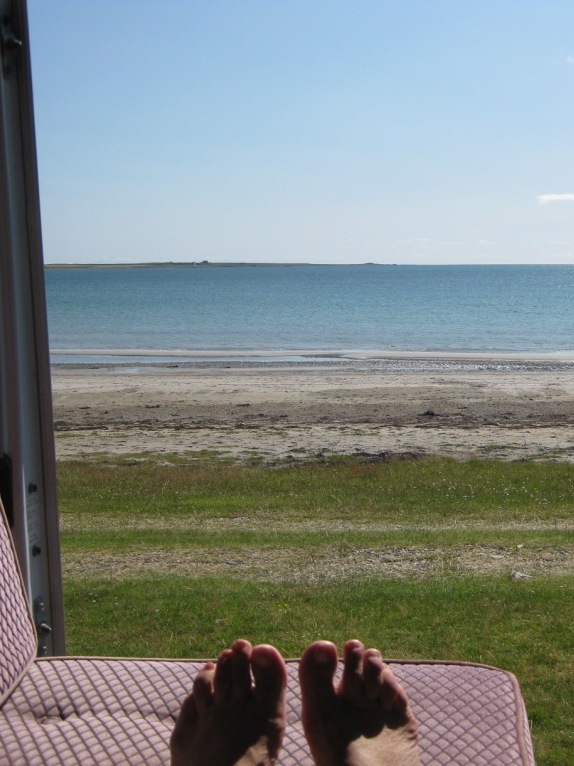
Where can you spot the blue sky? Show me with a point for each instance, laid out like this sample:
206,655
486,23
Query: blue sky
324,131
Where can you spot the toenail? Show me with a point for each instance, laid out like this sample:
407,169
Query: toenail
322,655
262,660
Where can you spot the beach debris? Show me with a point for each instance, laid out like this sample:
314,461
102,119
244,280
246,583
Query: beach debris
386,456
521,576
429,414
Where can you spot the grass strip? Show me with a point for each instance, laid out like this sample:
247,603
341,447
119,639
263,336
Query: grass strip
426,490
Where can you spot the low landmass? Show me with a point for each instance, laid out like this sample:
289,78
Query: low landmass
164,265
192,265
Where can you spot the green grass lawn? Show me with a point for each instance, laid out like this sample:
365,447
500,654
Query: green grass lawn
201,526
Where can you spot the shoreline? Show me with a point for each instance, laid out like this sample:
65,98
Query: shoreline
318,354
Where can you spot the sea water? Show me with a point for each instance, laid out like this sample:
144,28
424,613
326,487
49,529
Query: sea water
171,313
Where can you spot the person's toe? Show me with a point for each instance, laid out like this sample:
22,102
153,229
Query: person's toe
202,693
317,669
373,682
223,678
240,669
270,676
352,680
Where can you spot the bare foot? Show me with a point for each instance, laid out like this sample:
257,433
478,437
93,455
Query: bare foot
366,721
228,720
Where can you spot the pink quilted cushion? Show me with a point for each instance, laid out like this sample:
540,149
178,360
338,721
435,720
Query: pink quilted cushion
18,642
97,712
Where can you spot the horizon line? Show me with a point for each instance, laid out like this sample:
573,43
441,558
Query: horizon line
208,264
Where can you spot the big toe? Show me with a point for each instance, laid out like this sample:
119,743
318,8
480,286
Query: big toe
269,672
317,670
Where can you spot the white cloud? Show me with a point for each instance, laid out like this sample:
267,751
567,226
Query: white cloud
570,60
546,199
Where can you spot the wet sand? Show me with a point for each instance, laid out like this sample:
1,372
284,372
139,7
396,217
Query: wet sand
462,407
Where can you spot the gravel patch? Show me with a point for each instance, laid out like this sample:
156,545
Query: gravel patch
324,563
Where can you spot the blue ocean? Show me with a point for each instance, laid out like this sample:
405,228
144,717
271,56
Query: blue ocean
293,311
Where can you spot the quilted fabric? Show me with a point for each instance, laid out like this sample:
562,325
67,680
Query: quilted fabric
18,642
104,711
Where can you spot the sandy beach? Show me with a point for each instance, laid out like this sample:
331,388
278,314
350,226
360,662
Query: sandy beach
508,409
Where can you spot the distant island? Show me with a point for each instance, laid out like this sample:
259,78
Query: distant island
193,265
162,265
